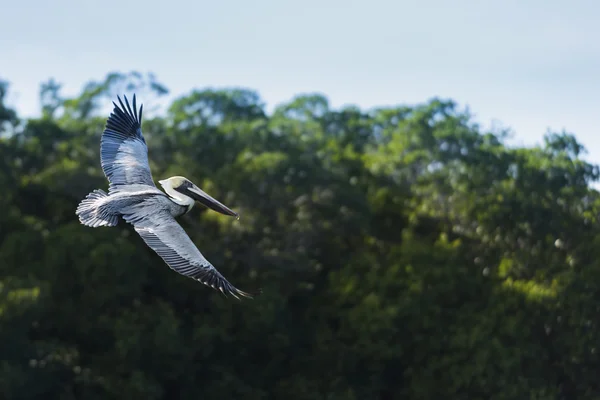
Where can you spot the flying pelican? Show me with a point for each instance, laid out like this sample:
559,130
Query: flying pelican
133,196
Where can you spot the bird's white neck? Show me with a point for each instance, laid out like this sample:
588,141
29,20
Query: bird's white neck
179,198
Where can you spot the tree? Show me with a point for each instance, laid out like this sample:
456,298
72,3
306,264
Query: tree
403,252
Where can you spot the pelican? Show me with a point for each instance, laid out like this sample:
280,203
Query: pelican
133,196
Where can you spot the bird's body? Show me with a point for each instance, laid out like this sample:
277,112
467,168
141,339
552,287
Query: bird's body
133,197
139,200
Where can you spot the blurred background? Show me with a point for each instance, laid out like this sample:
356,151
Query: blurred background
416,183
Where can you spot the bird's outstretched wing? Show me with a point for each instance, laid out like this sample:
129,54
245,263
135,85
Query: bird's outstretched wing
166,237
123,150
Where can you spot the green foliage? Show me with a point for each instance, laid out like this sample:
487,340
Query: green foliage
403,252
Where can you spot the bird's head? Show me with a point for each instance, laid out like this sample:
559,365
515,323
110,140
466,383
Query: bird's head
183,190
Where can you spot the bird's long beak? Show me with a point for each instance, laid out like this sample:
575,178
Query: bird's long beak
202,197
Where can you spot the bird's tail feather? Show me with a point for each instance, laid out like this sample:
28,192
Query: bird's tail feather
91,213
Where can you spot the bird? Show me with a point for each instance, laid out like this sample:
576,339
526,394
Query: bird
133,197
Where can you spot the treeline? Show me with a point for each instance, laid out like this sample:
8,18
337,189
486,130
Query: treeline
403,253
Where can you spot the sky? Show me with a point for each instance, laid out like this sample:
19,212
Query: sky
525,65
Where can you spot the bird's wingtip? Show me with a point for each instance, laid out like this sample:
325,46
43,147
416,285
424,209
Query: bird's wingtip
253,294
124,109
248,295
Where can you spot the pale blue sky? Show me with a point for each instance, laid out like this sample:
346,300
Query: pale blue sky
531,65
